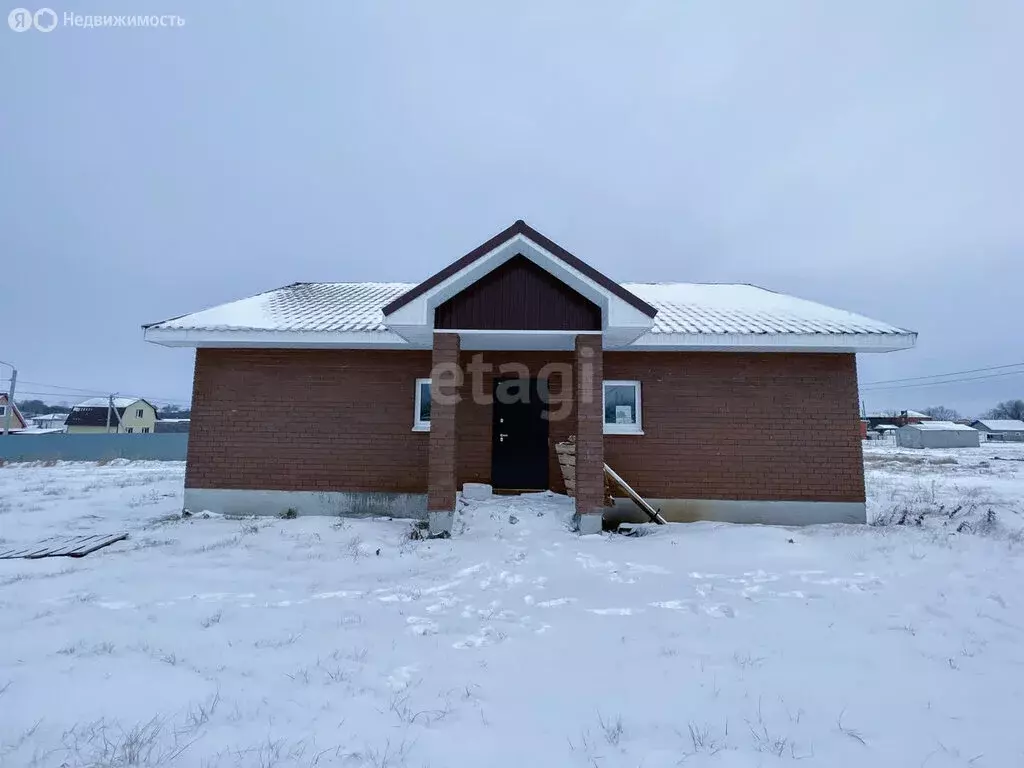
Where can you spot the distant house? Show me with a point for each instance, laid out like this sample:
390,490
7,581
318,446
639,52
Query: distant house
937,434
172,425
915,416
1006,430
128,415
897,418
17,420
881,431
49,421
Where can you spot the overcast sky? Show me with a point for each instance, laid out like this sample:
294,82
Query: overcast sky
866,155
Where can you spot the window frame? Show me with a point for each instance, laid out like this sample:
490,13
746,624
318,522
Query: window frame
623,429
3,410
139,413
145,430
418,425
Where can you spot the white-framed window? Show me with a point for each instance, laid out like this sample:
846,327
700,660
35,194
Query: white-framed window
129,430
145,430
622,408
3,410
421,411
138,413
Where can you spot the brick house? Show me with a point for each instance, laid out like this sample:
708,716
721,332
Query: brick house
408,391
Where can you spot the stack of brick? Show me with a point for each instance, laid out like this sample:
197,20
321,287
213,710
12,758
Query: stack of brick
566,453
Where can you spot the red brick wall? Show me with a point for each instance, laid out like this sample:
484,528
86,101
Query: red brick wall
741,426
445,391
589,392
717,425
307,420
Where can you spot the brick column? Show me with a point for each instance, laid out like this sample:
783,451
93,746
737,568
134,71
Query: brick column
445,385
588,376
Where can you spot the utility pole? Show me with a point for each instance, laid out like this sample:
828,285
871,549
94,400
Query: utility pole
117,415
110,407
10,399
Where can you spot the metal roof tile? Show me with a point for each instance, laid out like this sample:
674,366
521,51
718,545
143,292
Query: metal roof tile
683,308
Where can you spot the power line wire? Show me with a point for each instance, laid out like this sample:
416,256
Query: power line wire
69,389
940,383
72,395
942,375
91,392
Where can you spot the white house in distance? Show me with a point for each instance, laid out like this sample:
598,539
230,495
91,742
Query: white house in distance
1006,430
937,434
49,420
131,415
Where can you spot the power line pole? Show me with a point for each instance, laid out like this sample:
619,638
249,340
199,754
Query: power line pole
110,407
10,401
117,415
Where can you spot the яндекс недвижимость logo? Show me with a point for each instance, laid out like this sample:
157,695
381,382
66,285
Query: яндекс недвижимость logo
46,20
22,19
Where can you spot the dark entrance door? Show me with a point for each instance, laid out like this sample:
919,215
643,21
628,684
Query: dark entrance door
519,452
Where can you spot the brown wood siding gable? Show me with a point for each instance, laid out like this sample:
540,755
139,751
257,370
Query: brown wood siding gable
520,228
521,296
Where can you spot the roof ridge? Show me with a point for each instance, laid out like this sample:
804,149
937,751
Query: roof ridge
692,282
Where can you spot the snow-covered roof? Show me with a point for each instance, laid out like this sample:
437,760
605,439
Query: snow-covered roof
917,415
1002,425
299,307
684,310
940,426
50,417
886,426
103,402
741,308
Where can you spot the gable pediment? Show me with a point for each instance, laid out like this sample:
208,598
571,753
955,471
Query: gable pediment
569,287
518,296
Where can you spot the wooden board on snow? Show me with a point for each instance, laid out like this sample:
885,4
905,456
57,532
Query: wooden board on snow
639,500
63,546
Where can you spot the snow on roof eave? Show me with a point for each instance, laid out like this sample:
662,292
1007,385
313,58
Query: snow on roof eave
940,426
102,402
198,337
666,342
1001,425
780,342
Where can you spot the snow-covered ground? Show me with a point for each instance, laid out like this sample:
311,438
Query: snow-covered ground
214,642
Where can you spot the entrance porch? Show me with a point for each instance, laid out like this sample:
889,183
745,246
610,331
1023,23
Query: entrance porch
496,415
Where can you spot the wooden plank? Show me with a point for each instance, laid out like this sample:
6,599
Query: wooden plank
64,546
650,511
67,546
14,554
70,545
51,545
100,545
32,551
